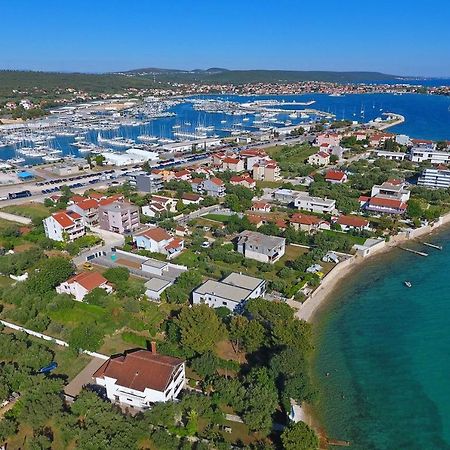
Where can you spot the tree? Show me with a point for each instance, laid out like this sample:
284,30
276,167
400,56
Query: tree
51,272
261,401
117,274
299,436
99,160
200,328
86,336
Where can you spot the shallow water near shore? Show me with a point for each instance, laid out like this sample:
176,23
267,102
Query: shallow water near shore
386,348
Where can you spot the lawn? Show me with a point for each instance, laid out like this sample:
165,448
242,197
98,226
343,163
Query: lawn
354,239
80,312
34,211
217,217
5,281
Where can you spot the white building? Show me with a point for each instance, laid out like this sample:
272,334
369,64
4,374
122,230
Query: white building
158,240
232,291
64,226
395,189
435,178
319,159
393,156
83,283
141,378
421,154
314,204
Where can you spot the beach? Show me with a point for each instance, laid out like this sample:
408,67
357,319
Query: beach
309,309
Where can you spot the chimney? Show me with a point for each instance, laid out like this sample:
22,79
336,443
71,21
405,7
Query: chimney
153,347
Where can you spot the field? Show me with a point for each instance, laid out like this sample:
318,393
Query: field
34,211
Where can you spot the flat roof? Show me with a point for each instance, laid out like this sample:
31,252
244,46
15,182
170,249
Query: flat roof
154,263
223,290
156,284
242,281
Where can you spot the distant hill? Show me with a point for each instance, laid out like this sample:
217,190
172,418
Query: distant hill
150,77
219,75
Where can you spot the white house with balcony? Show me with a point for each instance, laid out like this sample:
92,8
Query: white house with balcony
64,226
140,378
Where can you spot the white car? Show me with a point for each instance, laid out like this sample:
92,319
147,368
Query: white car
206,244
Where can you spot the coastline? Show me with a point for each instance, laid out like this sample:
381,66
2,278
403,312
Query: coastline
310,308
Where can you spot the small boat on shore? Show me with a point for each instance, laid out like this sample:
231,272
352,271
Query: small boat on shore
407,284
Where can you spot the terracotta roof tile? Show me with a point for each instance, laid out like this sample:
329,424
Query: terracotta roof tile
140,370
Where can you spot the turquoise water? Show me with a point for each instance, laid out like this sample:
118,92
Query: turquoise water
387,351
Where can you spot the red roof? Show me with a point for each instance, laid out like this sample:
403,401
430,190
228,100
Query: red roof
156,234
88,203
254,219
352,221
140,370
66,218
182,173
304,219
335,175
175,243
217,181
363,198
89,280
229,160
260,205
388,202
323,154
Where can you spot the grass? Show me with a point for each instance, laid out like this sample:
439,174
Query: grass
34,211
5,281
218,217
80,312
269,184
354,239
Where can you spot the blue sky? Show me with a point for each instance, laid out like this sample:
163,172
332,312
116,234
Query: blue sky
397,37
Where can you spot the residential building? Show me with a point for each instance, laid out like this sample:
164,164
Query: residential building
266,170
286,196
141,378
349,223
232,164
232,292
213,187
253,156
83,283
261,206
87,208
393,156
319,159
189,198
258,246
182,175
159,205
328,138
314,204
429,154
435,178
149,182
383,204
308,223
64,226
243,180
158,240
336,176
395,189
119,217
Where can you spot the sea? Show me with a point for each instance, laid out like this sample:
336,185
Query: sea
382,360
426,117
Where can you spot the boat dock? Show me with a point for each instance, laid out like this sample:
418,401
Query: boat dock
437,247
338,443
414,251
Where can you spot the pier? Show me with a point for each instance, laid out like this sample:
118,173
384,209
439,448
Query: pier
414,251
338,443
428,244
